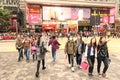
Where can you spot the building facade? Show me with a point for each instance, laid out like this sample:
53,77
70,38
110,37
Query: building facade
90,14
11,5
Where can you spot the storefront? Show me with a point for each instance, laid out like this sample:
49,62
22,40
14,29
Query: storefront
33,17
67,19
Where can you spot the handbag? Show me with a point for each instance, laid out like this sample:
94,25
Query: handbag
34,48
84,65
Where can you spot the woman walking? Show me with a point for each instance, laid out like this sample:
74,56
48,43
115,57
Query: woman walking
42,51
103,56
19,47
70,50
34,48
91,53
55,45
80,49
27,47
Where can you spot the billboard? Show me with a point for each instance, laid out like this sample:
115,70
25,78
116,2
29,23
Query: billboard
65,13
81,14
34,18
56,13
106,19
112,11
112,19
33,14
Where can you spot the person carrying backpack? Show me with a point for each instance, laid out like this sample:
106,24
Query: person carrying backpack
41,56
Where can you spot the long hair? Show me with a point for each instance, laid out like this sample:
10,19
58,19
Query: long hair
100,40
93,44
19,37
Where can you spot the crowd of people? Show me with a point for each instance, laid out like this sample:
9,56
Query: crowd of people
39,45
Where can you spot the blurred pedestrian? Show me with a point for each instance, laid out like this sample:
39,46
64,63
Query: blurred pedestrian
103,56
90,54
41,56
70,50
55,45
80,49
34,48
19,47
27,47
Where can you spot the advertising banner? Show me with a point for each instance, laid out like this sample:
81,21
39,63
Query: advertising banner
112,11
106,19
33,14
112,19
65,13
34,19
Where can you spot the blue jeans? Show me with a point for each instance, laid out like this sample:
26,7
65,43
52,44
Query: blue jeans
78,59
54,55
27,53
101,59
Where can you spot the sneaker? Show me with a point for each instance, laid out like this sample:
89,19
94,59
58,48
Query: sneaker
18,61
72,69
103,75
80,67
43,68
37,74
90,75
27,61
99,75
69,65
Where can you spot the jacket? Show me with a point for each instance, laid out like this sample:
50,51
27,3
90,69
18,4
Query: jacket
90,51
103,50
70,47
82,47
54,43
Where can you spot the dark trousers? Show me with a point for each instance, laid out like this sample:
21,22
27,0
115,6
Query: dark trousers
38,64
71,59
91,61
78,59
34,54
20,51
105,61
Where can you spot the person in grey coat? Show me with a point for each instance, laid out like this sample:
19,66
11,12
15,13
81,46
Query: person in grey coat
41,56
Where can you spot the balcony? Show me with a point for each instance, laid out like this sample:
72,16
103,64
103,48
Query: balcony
86,3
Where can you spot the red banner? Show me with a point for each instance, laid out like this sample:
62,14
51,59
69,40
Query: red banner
34,19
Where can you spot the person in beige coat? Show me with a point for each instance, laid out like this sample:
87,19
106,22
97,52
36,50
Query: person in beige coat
70,50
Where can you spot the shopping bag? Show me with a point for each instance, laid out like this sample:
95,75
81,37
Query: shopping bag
34,48
84,65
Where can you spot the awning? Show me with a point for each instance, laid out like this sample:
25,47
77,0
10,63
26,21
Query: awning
49,27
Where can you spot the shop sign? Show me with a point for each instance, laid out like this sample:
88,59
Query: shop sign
105,19
34,18
112,11
112,19
34,10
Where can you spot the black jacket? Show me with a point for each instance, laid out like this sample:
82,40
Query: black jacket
103,50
